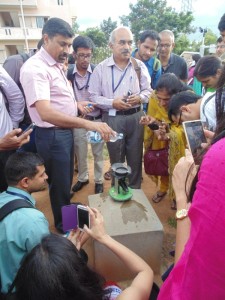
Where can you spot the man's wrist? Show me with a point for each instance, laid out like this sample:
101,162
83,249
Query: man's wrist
141,98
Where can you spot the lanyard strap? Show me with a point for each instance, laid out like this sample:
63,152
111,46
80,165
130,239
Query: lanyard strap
121,79
86,84
19,195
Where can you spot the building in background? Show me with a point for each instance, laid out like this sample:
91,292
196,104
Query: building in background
21,22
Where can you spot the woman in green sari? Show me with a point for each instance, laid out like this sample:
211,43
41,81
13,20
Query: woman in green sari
169,133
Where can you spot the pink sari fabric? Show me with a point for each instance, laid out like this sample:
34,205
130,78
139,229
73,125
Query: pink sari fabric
200,272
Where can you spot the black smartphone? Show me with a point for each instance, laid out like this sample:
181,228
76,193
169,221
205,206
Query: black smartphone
31,126
83,217
195,137
153,126
129,93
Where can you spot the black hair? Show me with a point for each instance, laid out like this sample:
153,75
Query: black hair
196,57
57,26
220,128
219,40
40,43
207,66
83,42
20,165
221,25
152,34
54,270
171,84
71,59
180,99
220,103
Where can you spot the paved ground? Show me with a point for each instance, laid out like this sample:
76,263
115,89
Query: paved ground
165,214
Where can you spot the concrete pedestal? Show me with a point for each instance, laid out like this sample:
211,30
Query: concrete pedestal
133,223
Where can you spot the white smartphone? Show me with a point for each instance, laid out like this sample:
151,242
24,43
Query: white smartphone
83,217
195,136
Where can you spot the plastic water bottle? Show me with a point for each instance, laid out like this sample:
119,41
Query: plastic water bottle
95,137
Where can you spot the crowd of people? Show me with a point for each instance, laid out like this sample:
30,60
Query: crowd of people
109,98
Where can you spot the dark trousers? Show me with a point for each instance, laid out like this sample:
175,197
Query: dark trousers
4,155
56,147
130,148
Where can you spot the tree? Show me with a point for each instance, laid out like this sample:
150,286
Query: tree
97,36
75,27
107,26
182,44
210,37
156,15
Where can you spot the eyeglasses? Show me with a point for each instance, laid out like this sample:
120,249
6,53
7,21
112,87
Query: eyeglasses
164,46
83,56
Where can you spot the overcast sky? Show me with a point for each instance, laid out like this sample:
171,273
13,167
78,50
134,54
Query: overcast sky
93,12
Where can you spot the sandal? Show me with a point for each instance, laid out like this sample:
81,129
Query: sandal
107,175
158,197
173,205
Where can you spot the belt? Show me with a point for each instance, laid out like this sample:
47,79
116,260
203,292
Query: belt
91,118
130,111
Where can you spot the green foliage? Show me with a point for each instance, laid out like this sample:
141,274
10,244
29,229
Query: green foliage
172,222
100,53
182,43
107,26
156,15
75,27
195,46
210,37
97,36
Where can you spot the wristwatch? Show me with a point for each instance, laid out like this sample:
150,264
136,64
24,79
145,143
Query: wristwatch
181,214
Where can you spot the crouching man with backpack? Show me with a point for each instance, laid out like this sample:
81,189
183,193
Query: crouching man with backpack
22,226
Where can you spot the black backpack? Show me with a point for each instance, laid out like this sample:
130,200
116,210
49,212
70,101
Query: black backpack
9,207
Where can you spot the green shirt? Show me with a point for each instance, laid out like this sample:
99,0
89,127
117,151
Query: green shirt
20,231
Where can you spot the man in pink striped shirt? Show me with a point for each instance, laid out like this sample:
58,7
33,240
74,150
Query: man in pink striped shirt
52,106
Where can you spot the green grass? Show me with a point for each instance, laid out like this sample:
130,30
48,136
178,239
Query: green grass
172,222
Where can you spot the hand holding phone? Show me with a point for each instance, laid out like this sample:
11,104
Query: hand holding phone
31,126
153,126
83,217
195,137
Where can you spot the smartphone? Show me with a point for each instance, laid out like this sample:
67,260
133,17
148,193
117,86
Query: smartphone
129,93
69,217
31,126
83,217
195,137
153,126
